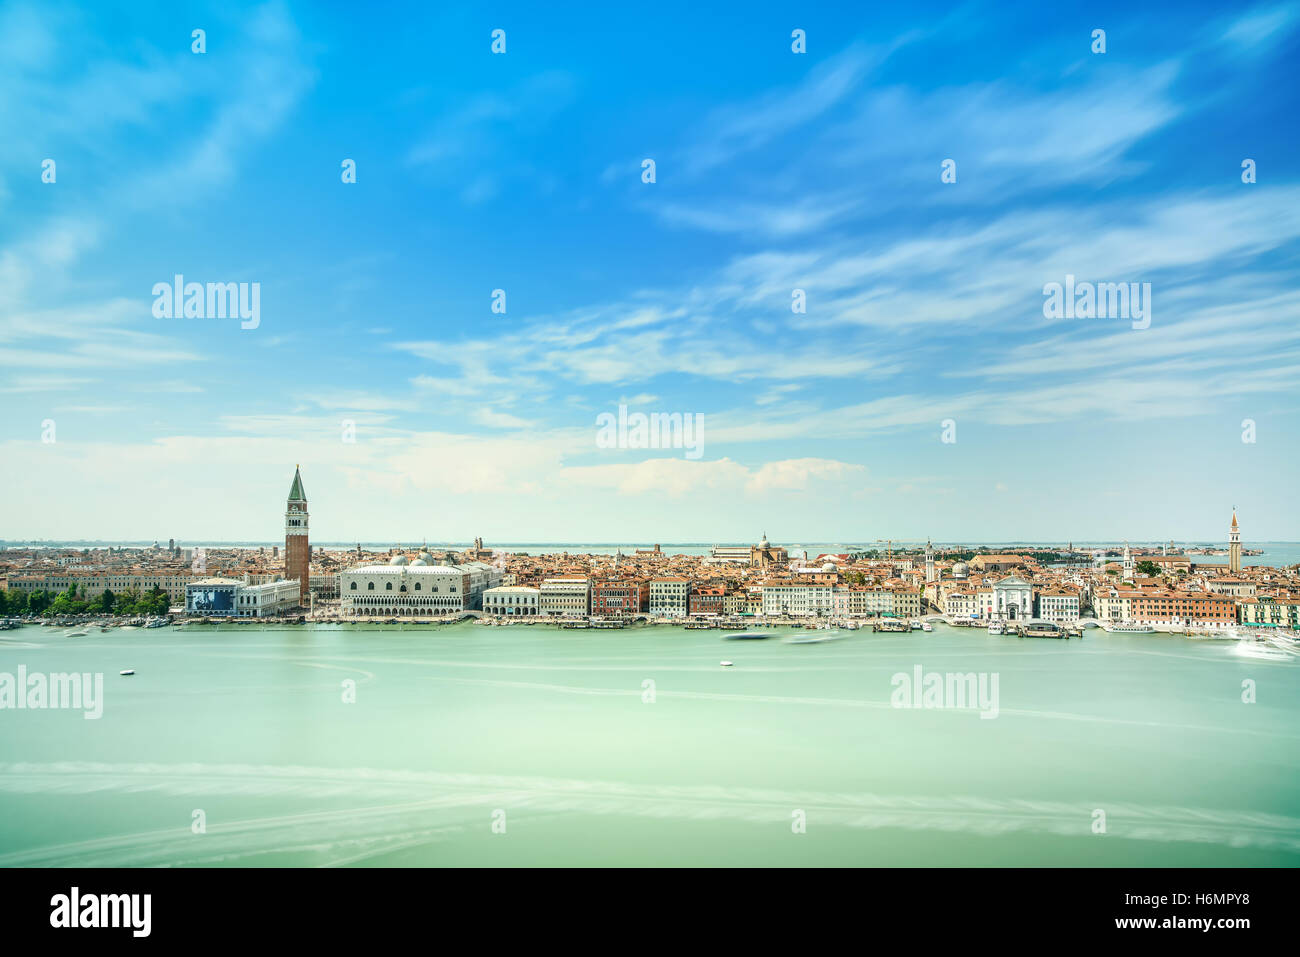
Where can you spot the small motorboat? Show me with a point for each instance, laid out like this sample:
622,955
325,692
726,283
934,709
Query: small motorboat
126,671
813,639
76,634
1251,649
725,664
926,626
748,635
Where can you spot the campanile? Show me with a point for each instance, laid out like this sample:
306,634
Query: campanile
297,550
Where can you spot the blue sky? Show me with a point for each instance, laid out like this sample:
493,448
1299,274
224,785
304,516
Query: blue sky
774,171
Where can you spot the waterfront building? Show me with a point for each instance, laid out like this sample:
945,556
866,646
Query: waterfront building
1113,604
798,598
565,596
403,588
1197,609
620,596
734,601
1058,604
907,601
706,599
961,603
862,601
1011,598
1234,546
669,596
1267,610
518,600
94,584
267,599
213,597
297,550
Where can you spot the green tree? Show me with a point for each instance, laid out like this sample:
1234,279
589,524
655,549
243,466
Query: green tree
1145,567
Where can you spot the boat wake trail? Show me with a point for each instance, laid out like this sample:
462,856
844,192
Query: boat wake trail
391,811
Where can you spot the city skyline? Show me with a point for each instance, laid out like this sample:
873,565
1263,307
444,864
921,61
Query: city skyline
377,360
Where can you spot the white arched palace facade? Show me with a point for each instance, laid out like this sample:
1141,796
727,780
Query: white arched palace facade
405,589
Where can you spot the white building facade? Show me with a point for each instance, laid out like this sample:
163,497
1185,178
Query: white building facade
1059,606
1012,598
669,597
516,600
798,598
565,596
414,589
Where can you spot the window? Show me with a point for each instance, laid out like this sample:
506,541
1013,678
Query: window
388,586
370,586
354,586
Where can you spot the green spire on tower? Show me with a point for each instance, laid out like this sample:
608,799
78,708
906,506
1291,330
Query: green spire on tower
296,494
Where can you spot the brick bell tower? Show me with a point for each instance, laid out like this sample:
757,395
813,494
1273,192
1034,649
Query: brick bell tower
297,550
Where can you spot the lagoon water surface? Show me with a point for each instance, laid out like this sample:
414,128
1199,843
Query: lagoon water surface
473,745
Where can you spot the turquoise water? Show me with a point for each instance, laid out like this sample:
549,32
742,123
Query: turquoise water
552,736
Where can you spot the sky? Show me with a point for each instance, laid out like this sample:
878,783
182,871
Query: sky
924,391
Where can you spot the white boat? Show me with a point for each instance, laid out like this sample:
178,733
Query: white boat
725,664
127,671
997,628
916,626
926,626
1248,648
76,634
1127,628
813,639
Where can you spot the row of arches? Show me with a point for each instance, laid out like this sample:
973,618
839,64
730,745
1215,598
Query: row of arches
388,586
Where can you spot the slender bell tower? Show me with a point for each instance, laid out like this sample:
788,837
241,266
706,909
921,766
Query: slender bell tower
1234,546
297,549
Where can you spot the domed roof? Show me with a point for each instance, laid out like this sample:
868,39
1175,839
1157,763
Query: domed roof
959,570
830,567
399,560
419,561
426,557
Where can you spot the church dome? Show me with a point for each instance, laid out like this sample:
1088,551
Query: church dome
830,567
426,557
419,561
399,560
959,570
